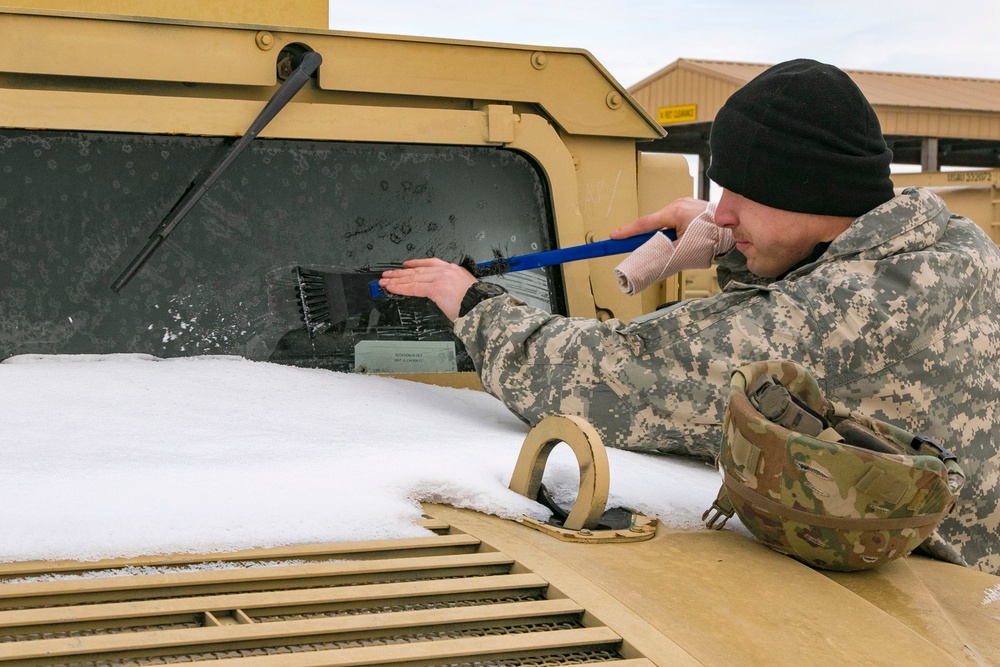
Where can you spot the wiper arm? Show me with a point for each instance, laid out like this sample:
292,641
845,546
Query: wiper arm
307,67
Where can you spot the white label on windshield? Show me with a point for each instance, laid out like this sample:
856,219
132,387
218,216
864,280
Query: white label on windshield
401,356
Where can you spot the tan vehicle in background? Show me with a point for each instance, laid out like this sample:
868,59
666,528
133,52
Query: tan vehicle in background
396,147
974,194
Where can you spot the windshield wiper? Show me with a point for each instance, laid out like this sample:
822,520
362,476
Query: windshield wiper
308,65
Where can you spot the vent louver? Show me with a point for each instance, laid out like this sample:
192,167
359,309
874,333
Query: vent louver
445,600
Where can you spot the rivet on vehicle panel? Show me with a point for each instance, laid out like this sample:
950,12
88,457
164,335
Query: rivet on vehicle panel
265,40
539,60
614,100
584,531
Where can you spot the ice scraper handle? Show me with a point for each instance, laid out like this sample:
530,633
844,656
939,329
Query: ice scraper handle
574,253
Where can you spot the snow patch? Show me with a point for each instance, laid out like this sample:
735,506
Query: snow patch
114,456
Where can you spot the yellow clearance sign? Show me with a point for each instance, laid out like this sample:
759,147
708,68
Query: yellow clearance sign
685,113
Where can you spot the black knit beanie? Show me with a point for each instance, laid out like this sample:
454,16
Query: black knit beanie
802,137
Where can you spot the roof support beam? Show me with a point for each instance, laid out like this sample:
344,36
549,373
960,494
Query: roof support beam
929,154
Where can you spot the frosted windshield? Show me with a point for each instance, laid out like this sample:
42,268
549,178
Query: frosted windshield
75,207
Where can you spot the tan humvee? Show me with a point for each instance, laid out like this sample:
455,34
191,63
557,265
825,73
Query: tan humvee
396,147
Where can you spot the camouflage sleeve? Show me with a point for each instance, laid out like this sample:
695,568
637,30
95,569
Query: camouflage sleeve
657,384
540,364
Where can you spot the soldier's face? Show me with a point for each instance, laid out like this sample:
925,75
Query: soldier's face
773,240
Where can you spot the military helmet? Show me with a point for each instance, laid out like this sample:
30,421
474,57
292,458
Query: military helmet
832,488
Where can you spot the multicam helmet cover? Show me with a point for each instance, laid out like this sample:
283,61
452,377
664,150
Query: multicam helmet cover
831,488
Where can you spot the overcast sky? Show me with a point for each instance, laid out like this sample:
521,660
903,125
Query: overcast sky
634,39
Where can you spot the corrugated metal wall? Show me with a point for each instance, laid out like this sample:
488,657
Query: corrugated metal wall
911,105
682,86
939,123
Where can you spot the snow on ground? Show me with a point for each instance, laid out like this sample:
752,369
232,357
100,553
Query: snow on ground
122,455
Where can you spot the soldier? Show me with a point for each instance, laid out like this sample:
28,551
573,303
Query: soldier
890,301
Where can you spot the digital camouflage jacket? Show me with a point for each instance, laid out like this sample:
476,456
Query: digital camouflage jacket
898,319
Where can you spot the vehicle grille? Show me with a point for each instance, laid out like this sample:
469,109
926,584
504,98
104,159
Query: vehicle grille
446,600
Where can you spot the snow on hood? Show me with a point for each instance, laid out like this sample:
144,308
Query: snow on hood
120,455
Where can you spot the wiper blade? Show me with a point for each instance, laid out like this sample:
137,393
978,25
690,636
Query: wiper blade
307,67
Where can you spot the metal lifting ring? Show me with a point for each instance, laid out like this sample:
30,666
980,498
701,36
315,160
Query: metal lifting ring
595,473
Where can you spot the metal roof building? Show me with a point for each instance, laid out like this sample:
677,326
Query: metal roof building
932,121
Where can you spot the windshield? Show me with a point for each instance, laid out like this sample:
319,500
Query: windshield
74,208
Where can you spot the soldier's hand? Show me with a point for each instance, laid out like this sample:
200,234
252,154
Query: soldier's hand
442,282
676,215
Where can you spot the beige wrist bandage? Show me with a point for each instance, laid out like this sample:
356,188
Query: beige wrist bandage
660,258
